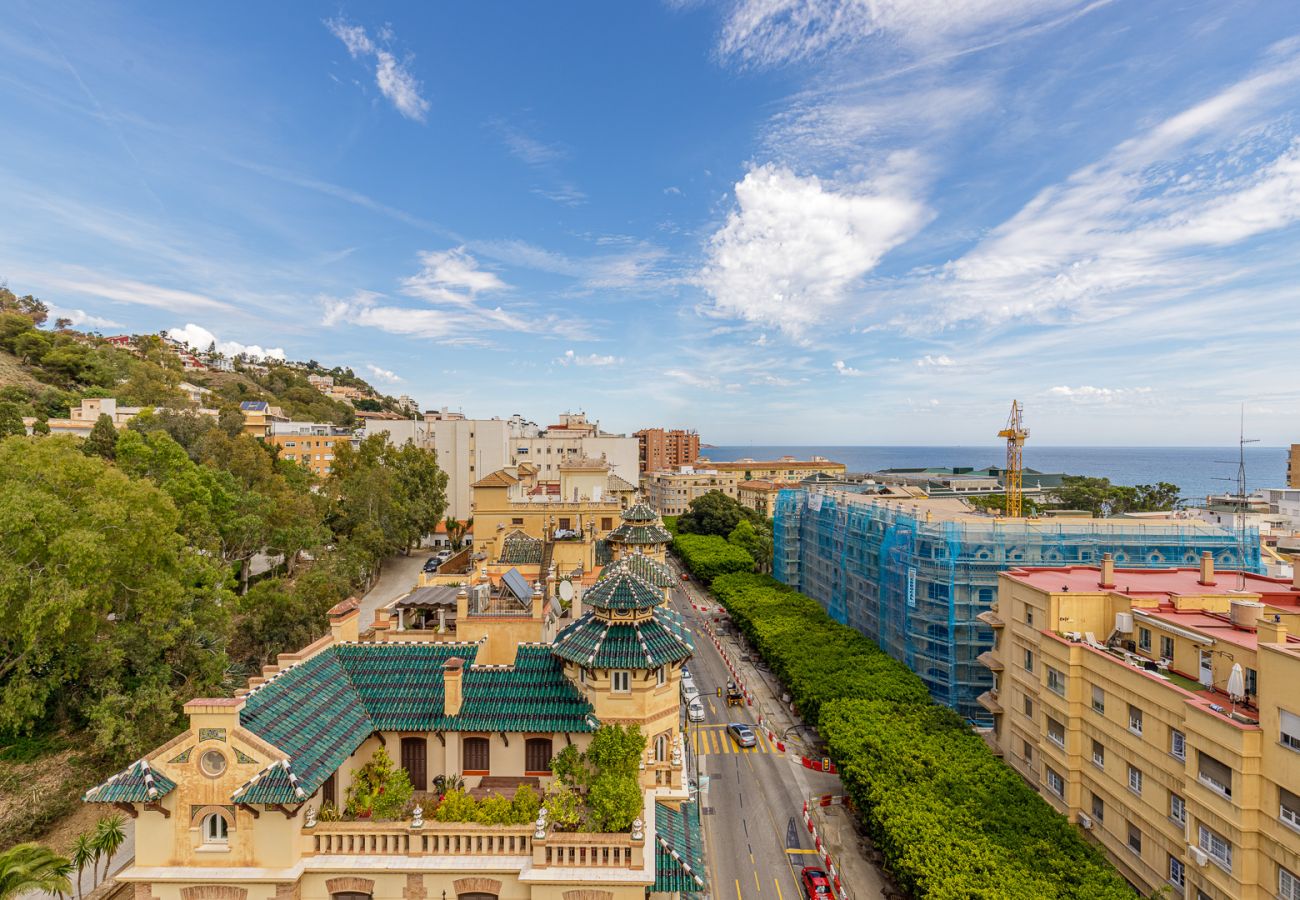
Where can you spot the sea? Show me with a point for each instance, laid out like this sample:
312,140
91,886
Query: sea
1198,471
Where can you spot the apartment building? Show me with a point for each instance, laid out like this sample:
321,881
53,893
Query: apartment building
260,416
787,468
671,492
1293,467
760,494
1159,709
309,444
659,449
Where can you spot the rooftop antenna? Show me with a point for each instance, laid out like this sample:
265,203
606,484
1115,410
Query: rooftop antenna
1242,441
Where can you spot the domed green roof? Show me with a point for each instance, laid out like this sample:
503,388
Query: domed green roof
639,512
622,591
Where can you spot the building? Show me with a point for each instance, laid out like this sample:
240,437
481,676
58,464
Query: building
760,495
309,444
260,416
231,808
321,383
1113,694
914,574
658,449
1293,467
787,468
573,436
195,394
408,405
670,493
399,431
82,418
956,481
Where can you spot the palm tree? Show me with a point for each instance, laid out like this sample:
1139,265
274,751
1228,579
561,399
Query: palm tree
110,834
83,854
456,531
32,867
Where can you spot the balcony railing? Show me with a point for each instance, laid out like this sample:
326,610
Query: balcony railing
577,850
403,839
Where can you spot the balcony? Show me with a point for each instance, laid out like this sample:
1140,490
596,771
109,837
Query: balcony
989,661
989,700
404,839
991,618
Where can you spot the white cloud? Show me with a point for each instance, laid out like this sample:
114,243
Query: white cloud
199,338
82,319
794,247
636,265
673,190
384,374
848,371
451,276
138,293
1088,394
773,32
392,75
592,359
940,361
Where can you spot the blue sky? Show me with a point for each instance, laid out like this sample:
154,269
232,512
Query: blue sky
827,221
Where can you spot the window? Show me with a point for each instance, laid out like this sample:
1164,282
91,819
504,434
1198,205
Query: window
1029,615
1288,886
1098,700
415,760
621,681
1055,732
1214,844
1134,719
329,791
1055,681
517,521
661,748
1177,809
1135,779
1177,743
1055,783
1252,682
1144,639
1214,774
1290,808
1028,749
212,762
1029,667
1098,809
1290,729
1167,651
661,676
1098,755
1134,838
1029,706
477,758
1176,873
537,756
215,829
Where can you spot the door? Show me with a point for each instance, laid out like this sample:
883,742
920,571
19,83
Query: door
1207,668
415,760
537,756
329,792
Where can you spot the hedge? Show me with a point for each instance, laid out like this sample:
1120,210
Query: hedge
951,819
708,556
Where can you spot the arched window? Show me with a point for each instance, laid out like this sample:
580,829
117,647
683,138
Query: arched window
661,748
477,758
537,756
215,829
349,895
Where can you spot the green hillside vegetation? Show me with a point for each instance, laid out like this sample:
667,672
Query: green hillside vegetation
950,818
125,558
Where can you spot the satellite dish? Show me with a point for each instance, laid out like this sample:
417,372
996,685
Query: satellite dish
566,590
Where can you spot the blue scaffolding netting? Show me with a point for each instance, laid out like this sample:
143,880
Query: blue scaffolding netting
914,583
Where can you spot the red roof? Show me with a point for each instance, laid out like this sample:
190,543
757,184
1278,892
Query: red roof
1159,583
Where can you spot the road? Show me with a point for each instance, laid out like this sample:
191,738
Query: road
751,799
396,579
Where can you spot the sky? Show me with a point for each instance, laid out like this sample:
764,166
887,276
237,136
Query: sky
774,221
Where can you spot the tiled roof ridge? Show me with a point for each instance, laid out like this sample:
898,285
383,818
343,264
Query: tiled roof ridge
286,764
686,867
145,773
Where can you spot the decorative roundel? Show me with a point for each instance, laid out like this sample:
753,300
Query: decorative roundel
212,762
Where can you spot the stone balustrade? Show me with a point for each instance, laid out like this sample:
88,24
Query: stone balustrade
581,850
404,839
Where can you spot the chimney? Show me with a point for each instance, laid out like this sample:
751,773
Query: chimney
220,713
539,601
345,620
1107,571
1270,630
451,679
1207,568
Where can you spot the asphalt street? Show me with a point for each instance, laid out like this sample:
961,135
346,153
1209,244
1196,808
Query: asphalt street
751,798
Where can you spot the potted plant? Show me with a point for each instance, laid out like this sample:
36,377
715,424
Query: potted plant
379,789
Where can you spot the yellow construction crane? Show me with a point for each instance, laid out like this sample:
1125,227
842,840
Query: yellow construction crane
1015,433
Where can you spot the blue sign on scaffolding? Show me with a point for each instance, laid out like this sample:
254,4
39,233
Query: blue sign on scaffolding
911,586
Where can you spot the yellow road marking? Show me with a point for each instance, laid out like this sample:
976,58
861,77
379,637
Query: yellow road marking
738,894
779,895
756,887
795,851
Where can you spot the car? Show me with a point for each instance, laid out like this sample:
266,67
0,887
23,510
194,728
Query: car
689,692
688,678
742,734
695,710
815,884
431,564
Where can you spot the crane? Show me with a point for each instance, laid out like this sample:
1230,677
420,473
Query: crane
1015,433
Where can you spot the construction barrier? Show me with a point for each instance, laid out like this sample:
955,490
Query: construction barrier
820,845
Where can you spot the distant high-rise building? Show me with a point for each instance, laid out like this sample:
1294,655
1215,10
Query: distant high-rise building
660,449
1293,467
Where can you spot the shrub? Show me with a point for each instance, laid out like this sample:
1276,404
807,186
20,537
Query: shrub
379,789
493,810
709,556
562,807
456,806
525,805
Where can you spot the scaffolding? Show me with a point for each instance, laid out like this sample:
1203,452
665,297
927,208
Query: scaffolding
914,583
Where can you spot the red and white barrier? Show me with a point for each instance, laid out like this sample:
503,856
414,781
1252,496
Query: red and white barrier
820,845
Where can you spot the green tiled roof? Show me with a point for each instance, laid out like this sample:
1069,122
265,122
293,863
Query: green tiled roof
138,783
627,533
639,512
647,568
603,553
600,644
622,591
319,711
518,549
679,850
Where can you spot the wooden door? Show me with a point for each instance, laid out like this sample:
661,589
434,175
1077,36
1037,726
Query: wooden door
415,760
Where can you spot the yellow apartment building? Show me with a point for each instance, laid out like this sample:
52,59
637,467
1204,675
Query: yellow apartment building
260,417
308,444
760,494
1160,710
787,468
671,492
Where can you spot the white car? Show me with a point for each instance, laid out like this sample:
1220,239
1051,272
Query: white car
695,710
688,679
690,692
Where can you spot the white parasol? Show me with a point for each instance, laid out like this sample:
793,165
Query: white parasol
1236,686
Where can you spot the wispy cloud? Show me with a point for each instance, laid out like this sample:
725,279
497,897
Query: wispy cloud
385,375
1086,393
570,358
136,293
638,263
848,371
81,319
940,361
201,338
542,157
392,76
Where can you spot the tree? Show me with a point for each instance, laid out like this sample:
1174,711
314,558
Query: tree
62,323
614,802
110,835
713,513
83,855
31,867
102,440
11,419
379,788
456,531
758,544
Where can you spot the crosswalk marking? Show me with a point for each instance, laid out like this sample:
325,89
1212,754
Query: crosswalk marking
714,740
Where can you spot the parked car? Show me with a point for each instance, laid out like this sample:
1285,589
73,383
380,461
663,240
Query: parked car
695,710
690,691
687,677
742,734
431,564
815,884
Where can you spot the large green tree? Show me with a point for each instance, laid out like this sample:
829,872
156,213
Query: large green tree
716,513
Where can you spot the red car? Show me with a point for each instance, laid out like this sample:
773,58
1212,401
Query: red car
816,884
